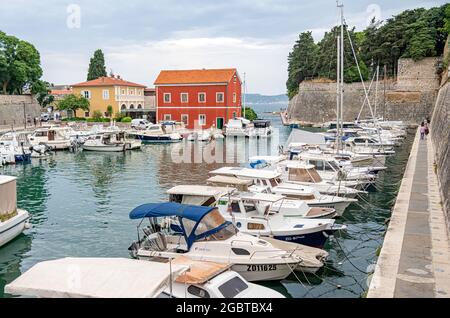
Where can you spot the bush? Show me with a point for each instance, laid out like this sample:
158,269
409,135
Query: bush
99,120
118,117
97,115
74,119
126,120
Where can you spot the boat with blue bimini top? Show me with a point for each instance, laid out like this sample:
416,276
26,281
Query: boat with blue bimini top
201,233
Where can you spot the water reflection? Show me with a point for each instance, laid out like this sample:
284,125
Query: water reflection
11,257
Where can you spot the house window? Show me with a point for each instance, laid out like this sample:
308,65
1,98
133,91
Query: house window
131,91
139,106
86,114
184,97
86,94
220,97
185,119
202,97
139,92
106,94
202,120
167,117
234,97
234,115
131,106
123,92
123,107
167,97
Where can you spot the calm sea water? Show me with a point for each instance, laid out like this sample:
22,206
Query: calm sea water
80,203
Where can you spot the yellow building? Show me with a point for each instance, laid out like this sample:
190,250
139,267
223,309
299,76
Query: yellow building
125,97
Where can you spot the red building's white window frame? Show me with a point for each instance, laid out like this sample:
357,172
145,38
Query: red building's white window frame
164,98
199,94
234,98
187,98
187,119
167,117
202,122
223,97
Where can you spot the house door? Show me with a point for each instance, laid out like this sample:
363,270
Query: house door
219,123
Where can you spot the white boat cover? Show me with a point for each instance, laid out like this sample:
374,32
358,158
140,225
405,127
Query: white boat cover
306,137
8,195
264,197
95,278
229,180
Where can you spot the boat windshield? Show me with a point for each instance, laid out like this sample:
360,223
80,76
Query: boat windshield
213,221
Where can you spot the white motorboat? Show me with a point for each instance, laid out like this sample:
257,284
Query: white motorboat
157,134
263,128
13,221
201,136
57,138
201,233
214,280
211,196
107,142
300,173
239,127
252,213
270,181
18,144
128,278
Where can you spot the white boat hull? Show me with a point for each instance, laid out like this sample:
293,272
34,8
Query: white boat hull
118,148
13,227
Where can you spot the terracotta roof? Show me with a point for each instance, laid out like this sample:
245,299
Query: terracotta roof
61,92
195,76
107,81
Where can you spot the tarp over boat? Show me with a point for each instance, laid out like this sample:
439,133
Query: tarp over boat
305,137
95,278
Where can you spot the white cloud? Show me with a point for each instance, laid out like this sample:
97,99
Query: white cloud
263,61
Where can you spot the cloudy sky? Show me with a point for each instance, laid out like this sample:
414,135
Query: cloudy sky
141,37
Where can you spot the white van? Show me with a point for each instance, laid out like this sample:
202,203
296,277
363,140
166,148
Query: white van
140,123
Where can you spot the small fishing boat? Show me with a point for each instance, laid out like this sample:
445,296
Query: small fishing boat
201,233
107,142
13,221
128,278
57,138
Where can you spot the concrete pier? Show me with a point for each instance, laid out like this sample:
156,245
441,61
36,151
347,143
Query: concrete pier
415,258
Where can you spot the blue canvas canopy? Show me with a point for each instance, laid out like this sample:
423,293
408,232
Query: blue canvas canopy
182,211
156,210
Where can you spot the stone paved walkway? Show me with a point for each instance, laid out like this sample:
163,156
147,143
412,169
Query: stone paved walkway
415,258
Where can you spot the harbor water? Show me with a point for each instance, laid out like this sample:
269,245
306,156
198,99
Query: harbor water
80,203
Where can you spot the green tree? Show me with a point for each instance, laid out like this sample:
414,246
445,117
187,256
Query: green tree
302,62
20,64
109,111
250,114
97,66
74,102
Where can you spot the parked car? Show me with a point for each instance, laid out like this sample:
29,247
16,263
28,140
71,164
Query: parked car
140,123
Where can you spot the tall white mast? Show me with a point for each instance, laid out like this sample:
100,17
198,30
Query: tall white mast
376,93
244,98
338,94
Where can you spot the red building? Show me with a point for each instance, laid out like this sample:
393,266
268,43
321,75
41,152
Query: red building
199,98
